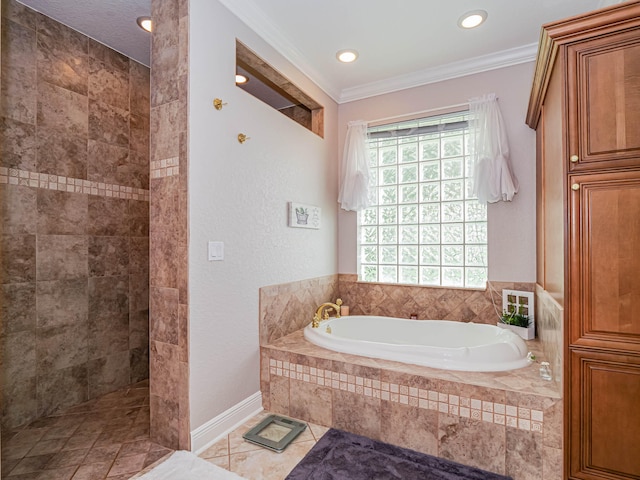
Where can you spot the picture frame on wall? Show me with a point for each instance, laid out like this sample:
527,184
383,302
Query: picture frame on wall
304,216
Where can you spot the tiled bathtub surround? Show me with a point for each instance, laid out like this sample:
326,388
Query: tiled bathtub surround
506,422
549,317
437,303
510,415
74,212
289,307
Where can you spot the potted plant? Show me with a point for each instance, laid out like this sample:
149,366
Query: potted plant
302,214
518,323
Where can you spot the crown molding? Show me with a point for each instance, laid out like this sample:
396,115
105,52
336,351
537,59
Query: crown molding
483,63
254,17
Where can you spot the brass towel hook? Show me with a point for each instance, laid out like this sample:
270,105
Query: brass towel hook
217,103
243,138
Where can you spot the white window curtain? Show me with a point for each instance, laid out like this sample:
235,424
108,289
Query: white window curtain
354,187
493,178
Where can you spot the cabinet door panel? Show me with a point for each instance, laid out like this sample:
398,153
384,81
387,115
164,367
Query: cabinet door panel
605,253
604,424
604,110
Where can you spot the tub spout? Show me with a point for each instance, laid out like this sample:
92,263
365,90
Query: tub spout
325,307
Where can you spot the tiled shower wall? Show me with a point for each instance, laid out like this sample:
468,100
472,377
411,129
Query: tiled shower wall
74,179
169,302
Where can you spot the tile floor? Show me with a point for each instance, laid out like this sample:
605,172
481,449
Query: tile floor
256,463
107,437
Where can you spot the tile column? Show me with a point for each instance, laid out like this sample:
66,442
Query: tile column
168,262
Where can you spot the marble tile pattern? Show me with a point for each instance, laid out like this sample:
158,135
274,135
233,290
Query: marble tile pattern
25,178
107,437
288,307
165,167
506,422
74,202
427,303
248,460
168,225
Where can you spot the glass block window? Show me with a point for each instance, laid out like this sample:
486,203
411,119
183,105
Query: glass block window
425,227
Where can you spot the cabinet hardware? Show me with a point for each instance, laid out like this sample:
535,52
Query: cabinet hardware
574,158
575,187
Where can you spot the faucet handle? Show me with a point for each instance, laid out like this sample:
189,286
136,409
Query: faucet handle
316,321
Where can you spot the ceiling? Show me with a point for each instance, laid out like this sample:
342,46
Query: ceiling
401,44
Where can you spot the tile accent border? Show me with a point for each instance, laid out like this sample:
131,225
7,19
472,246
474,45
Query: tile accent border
473,408
26,178
168,167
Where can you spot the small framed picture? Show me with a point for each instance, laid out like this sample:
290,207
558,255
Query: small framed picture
304,216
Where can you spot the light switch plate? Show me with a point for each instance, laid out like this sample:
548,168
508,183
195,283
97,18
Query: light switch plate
216,251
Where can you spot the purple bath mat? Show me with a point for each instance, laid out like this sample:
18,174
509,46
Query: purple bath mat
341,455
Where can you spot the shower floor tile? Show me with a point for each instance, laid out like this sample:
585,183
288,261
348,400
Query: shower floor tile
107,437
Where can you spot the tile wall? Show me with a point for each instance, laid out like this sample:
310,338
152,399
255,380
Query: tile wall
288,307
550,317
504,422
436,303
74,180
169,303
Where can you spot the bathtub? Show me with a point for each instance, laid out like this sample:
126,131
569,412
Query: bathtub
441,344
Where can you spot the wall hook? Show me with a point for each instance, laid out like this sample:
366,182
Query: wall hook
217,103
243,138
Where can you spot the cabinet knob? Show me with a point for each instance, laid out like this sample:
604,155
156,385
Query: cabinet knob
574,158
575,186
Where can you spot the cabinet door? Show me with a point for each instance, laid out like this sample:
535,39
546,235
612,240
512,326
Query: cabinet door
604,261
604,423
603,91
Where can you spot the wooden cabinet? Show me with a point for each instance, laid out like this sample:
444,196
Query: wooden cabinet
603,76
585,107
602,422
604,277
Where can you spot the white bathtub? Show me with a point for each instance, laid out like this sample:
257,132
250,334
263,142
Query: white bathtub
442,344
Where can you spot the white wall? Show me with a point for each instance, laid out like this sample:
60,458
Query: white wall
238,194
511,224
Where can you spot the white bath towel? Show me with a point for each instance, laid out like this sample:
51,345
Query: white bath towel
182,465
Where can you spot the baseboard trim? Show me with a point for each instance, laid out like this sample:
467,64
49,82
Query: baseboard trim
206,435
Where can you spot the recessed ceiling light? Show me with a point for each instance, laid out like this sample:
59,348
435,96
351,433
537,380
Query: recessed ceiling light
240,79
472,19
144,23
347,56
